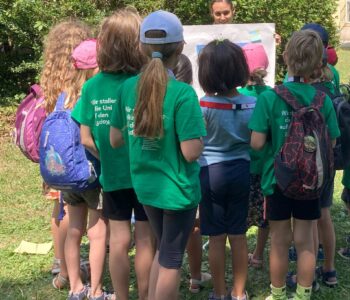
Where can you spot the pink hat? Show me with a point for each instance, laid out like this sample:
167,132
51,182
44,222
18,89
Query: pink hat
332,57
256,56
84,55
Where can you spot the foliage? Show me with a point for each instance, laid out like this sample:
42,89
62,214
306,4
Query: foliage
24,23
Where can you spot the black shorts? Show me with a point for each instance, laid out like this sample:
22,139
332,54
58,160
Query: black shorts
172,229
225,196
118,205
345,196
280,207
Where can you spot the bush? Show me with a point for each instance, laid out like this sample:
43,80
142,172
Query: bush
24,23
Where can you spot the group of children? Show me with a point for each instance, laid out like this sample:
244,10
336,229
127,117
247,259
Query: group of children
163,153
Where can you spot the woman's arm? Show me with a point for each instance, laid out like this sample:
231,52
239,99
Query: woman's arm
115,137
191,149
88,141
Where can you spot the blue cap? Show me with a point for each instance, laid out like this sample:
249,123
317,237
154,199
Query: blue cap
322,32
162,20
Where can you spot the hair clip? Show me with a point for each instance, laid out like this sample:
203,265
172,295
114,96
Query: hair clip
156,54
220,40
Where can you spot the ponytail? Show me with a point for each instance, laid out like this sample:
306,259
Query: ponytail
148,111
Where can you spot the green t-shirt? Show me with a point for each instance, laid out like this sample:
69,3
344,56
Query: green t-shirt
256,157
160,174
94,110
272,117
346,178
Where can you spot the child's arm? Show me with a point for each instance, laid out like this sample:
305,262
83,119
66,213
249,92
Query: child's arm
115,137
191,149
88,141
257,140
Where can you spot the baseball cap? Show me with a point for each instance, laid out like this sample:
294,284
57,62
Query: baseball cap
162,20
256,56
322,32
84,55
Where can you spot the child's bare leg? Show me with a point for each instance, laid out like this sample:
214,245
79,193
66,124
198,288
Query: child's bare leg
153,277
262,237
304,243
239,251
281,238
217,263
327,234
167,284
145,249
194,251
119,265
97,232
75,232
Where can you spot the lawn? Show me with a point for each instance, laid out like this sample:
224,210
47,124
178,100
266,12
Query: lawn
25,215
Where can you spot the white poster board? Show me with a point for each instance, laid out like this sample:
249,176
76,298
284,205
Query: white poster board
197,36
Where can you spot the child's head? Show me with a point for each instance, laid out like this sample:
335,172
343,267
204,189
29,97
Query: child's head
161,36
303,53
222,68
183,70
222,11
58,67
85,65
118,43
257,61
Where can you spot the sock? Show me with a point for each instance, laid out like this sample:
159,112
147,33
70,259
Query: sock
303,293
278,293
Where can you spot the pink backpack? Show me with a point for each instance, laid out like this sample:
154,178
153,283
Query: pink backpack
30,116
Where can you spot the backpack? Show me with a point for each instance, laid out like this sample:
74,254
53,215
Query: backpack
342,108
30,116
304,163
64,162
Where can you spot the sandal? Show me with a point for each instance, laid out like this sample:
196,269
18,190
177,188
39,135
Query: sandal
327,276
196,285
344,252
60,282
254,262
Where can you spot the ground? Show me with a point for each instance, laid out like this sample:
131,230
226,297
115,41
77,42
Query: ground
25,215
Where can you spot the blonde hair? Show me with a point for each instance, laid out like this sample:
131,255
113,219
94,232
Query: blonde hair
303,52
58,67
257,77
118,43
151,90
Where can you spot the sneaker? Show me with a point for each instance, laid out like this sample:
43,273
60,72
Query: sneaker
345,253
292,254
196,285
82,295
103,296
246,297
222,297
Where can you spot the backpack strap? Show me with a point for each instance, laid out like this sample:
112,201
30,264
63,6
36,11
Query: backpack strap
226,106
36,90
287,96
60,102
318,99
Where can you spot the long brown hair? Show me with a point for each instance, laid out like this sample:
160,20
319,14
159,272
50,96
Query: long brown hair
118,43
151,88
58,68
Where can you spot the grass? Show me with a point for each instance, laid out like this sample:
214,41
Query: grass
25,215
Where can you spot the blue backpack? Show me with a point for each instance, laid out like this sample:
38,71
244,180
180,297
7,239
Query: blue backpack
64,162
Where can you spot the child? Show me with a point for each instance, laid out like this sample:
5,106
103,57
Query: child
271,117
118,59
58,48
160,120
258,62
183,72
225,163
81,203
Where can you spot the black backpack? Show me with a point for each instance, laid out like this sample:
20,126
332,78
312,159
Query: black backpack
342,108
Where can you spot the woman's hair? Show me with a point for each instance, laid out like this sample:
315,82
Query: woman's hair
226,1
183,70
74,84
118,43
58,66
257,77
303,54
222,67
152,85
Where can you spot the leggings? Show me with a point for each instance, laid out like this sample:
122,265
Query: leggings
172,229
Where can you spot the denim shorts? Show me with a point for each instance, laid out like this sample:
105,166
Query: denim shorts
225,197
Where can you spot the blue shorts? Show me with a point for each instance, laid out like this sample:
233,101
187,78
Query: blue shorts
225,196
